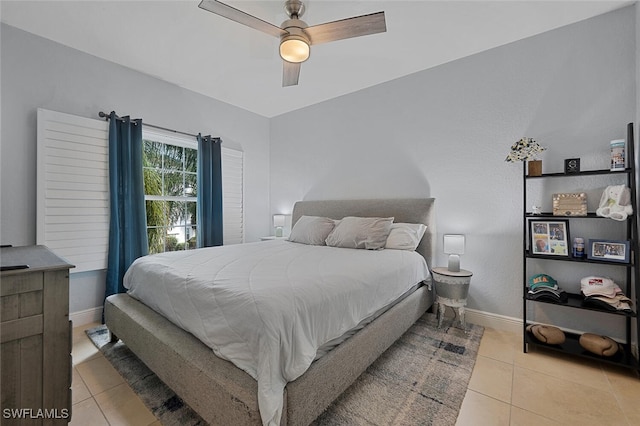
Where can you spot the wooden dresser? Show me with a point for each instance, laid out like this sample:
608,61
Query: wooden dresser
36,338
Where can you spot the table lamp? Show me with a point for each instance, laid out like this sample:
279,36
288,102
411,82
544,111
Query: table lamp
278,223
454,247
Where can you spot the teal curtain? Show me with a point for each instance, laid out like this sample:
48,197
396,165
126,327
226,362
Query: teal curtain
128,221
209,208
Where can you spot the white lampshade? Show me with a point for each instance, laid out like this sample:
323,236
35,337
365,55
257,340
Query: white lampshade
454,246
278,220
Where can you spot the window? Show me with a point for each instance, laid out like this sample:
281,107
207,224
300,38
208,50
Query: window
73,189
170,166
170,183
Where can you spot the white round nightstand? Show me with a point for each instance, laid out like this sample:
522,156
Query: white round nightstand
452,289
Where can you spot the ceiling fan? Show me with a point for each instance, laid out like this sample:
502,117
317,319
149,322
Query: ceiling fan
296,36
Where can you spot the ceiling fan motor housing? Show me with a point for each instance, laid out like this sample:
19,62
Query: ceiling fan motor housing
294,46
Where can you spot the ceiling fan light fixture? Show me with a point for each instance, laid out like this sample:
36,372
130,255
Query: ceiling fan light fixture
294,48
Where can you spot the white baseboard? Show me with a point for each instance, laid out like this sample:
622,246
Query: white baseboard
495,321
86,317
487,319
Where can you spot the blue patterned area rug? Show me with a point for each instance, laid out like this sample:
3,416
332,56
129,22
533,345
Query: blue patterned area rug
420,380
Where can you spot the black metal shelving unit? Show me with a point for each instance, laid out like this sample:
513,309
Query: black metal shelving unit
625,357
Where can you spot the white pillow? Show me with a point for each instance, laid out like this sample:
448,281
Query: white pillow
405,236
311,230
361,232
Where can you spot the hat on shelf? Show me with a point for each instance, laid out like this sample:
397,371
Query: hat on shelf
548,293
619,302
599,286
542,280
547,334
545,287
599,345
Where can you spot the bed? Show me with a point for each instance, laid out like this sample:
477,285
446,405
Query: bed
221,392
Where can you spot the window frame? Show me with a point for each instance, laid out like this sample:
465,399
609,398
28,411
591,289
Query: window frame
160,136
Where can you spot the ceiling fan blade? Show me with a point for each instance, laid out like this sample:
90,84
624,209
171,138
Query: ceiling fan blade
290,73
241,17
347,28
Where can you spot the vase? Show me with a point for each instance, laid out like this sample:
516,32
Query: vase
534,168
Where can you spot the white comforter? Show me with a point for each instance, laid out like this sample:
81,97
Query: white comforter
268,306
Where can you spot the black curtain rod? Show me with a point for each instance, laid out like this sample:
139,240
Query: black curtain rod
108,116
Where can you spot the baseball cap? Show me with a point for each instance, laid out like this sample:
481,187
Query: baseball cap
548,293
619,302
598,286
539,280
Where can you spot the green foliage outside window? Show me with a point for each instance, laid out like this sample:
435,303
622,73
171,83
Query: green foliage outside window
171,187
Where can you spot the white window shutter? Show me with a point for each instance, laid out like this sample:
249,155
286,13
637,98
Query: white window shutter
232,196
73,188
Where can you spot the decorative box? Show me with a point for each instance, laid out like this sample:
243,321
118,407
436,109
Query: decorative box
570,204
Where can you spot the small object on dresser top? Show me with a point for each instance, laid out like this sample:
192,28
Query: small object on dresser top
13,267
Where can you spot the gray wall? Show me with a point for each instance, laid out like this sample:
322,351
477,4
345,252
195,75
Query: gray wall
445,132
40,73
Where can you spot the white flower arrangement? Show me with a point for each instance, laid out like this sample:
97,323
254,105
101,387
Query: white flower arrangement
525,149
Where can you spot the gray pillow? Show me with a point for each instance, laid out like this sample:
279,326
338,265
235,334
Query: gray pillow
405,236
311,230
361,232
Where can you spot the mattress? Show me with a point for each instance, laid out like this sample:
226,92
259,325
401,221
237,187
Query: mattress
268,307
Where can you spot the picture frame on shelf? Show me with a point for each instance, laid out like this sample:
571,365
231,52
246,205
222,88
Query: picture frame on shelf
572,165
609,250
549,237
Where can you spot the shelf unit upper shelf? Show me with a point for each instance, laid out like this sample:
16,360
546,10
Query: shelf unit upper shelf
582,173
549,215
528,255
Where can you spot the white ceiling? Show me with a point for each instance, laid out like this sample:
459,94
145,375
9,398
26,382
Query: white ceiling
180,43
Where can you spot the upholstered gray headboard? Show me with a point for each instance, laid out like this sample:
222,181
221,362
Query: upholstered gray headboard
407,210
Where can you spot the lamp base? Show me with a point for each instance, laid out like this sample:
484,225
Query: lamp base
454,263
279,231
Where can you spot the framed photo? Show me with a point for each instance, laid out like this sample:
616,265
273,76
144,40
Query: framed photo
608,250
549,237
572,165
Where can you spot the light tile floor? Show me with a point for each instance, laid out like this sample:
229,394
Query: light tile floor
507,387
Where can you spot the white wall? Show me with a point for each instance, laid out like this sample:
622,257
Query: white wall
40,73
445,132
